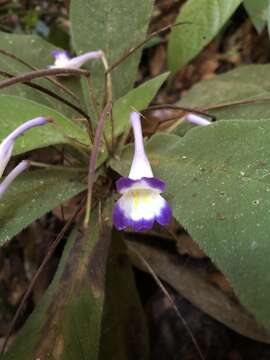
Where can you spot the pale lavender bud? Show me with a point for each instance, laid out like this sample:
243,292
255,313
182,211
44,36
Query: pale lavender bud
196,119
7,144
63,60
22,166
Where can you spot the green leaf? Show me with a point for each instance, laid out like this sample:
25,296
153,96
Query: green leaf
32,195
114,26
138,98
248,82
66,324
204,19
36,52
257,11
15,110
218,184
268,19
124,329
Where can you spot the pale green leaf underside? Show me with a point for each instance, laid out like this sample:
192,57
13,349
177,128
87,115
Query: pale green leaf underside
257,11
114,26
203,19
32,195
15,110
221,195
248,82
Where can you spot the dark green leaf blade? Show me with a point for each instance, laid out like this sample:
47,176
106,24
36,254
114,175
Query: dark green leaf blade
124,330
32,195
249,82
257,11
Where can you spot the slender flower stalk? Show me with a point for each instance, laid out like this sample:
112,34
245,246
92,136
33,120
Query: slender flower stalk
21,167
7,144
196,119
62,59
141,203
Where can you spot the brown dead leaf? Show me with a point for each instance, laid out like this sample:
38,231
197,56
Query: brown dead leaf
191,279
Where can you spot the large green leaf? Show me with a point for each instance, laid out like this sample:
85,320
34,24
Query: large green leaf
15,110
219,188
248,82
66,324
36,52
138,98
257,11
113,26
32,195
204,19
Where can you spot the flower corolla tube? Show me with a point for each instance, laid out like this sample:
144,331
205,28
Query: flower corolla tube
141,203
63,60
197,119
6,148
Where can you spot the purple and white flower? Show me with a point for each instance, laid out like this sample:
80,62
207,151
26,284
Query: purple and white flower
63,60
141,203
196,119
7,144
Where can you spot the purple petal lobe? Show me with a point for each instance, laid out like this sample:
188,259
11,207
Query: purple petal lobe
155,183
125,183
57,53
120,221
165,214
142,224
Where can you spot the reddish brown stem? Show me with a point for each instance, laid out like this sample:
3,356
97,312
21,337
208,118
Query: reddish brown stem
93,160
149,37
41,73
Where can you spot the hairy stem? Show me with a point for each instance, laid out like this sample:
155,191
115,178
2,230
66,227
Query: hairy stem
93,161
40,73
132,50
